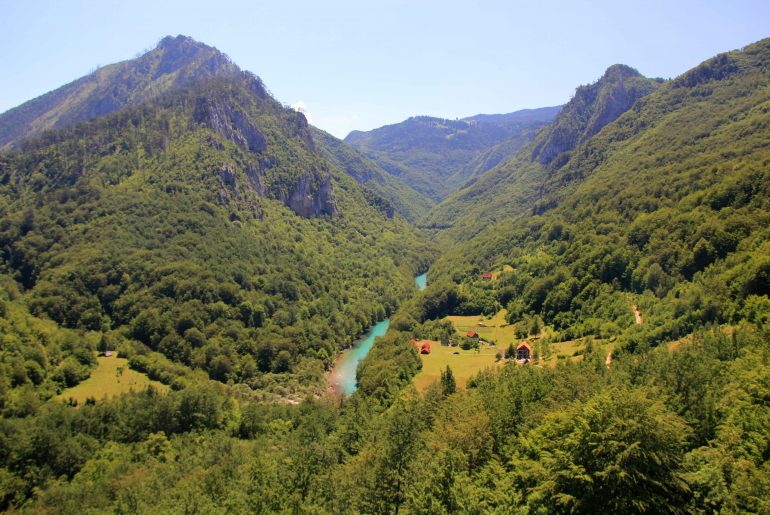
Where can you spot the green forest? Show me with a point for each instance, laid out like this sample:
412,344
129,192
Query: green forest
230,252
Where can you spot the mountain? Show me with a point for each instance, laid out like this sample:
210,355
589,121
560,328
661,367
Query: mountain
665,209
517,184
435,156
177,63
201,229
174,63
592,107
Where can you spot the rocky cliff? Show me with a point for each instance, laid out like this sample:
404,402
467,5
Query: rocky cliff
593,106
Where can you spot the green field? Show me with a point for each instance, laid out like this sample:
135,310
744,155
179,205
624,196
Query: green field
464,365
110,378
489,329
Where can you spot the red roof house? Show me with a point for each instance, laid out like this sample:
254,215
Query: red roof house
524,351
472,334
425,349
486,275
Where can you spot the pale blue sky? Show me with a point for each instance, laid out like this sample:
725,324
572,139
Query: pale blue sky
360,65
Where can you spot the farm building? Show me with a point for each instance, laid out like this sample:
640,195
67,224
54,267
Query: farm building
425,349
524,351
487,276
472,334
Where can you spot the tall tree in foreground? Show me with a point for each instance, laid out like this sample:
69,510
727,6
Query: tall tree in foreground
617,453
448,383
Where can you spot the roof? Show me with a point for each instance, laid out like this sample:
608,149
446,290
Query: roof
472,334
486,275
524,345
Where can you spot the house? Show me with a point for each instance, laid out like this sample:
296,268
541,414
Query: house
472,334
425,349
415,342
524,351
487,276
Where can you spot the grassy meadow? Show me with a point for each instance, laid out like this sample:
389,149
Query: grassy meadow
464,365
111,378
494,329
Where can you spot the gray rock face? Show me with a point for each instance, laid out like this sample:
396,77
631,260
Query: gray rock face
592,107
231,123
255,179
233,189
310,201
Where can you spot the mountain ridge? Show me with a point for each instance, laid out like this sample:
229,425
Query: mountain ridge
435,155
539,163
668,204
174,62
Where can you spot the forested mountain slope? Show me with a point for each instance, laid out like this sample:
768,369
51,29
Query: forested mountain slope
668,205
435,156
176,62
516,184
400,197
205,225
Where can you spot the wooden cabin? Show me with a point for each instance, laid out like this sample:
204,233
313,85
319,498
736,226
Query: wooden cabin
524,351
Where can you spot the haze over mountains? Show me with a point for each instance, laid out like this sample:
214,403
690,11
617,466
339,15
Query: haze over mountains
170,209
435,156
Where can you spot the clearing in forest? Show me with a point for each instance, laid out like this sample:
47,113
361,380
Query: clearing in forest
464,364
111,377
489,329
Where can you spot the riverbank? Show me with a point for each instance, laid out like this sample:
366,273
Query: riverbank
342,377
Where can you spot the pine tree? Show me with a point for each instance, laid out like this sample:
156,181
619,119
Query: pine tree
448,383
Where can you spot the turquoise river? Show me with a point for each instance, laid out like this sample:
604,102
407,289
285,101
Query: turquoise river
343,377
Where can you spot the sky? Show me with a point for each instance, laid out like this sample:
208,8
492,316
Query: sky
363,64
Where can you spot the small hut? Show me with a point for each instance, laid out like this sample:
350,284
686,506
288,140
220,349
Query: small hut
425,349
472,334
524,351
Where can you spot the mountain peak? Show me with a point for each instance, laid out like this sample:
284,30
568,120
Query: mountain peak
175,62
593,106
186,46
177,41
620,71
